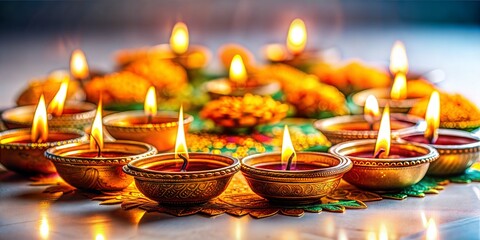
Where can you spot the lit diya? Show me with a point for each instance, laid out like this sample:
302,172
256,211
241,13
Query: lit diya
182,178
151,126
62,113
458,149
21,150
352,127
383,165
398,98
97,165
294,178
293,52
240,82
179,50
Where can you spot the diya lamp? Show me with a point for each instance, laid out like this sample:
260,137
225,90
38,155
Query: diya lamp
293,52
353,127
240,82
151,126
97,165
458,149
21,150
397,97
182,178
62,113
294,178
383,164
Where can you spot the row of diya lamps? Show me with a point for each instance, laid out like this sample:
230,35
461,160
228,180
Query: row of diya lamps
386,155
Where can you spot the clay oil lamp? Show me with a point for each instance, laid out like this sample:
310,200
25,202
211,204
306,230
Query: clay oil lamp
240,82
294,52
61,113
353,127
182,178
294,178
458,149
383,165
21,150
150,126
397,97
97,165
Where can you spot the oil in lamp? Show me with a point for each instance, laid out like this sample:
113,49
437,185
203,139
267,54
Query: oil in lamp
293,177
397,97
180,177
96,165
383,164
150,126
293,52
458,149
240,82
21,150
353,127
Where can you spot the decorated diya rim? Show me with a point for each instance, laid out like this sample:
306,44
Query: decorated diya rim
264,89
383,97
81,137
111,121
139,168
450,149
58,154
337,165
429,154
323,126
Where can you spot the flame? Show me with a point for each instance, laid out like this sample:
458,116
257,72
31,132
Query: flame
398,59
287,149
432,117
150,106
238,73
40,123
96,135
424,218
399,88
78,65
383,140
180,143
44,229
371,111
58,102
297,36
432,232
383,233
179,38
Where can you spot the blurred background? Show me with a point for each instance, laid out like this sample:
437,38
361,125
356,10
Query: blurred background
38,36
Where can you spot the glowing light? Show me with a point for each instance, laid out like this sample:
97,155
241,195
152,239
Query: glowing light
238,72
96,135
150,106
180,143
288,151
78,65
432,117
39,132
371,112
399,87
432,232
58,102
383,234
297,36
276,52
398,59
179,39
384,135
44,230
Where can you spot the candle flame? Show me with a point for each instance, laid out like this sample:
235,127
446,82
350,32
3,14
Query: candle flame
287,150
432,117
179,39
96,135
383,233
384,135
44,229
297,36
78,65
39,132
180,143
238,73
398,59
150,106
58,102
371,112
399,87
432,232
